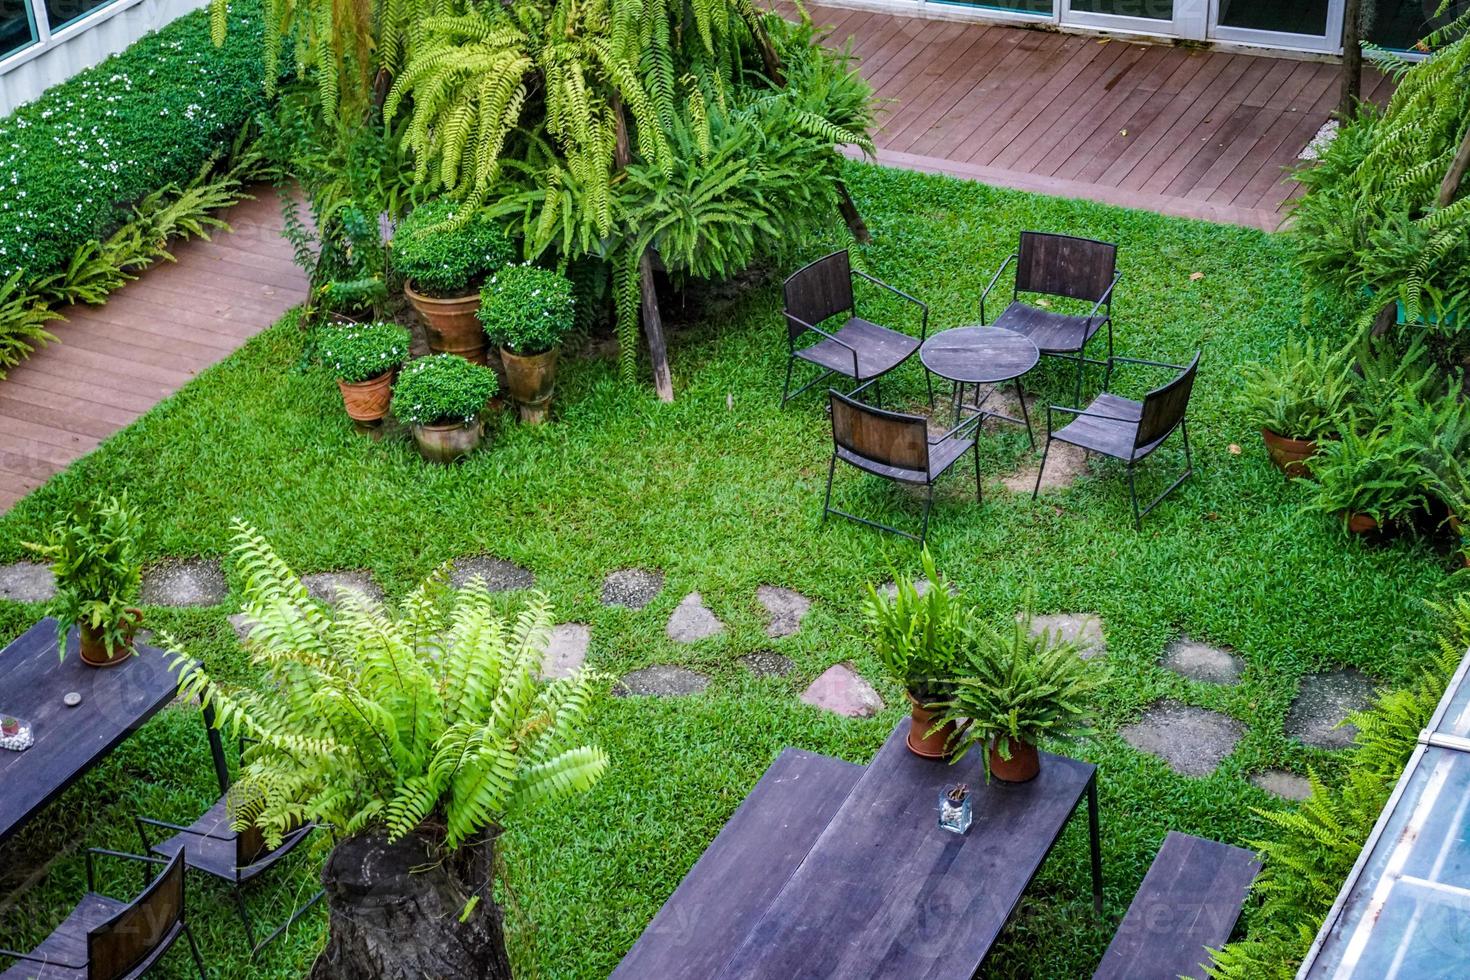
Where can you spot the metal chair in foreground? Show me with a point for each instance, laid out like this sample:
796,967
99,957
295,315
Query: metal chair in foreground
1070,268
896,447
859,349
107,939
1129,430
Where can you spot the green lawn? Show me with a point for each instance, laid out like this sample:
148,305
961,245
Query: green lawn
722,491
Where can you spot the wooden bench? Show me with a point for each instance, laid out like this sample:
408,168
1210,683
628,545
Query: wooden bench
738,876
1187,905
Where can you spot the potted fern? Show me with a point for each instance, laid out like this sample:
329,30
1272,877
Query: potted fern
440,398
94,555
1298,399
1372,480
918,638
527,311
419,736
1014,688
365,357
443,256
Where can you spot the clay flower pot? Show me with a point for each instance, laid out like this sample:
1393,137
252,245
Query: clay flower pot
1361,523
94,650
367,401
531,381
921,743
1022,766
450,325
1289,455
9,727
448,442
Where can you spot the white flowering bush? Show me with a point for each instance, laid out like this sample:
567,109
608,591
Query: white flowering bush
361,352
527,309
444,254
442,388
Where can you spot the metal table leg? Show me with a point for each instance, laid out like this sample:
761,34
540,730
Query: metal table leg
1095,841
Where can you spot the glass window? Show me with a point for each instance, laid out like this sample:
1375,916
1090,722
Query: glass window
1042,7
59,13
17,28
1307,17
1147,9
1403,24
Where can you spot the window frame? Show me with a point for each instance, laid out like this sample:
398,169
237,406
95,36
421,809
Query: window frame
48,39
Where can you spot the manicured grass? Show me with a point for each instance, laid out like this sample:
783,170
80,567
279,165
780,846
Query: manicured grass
721,491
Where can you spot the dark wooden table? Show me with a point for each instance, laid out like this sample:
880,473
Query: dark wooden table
885,892
116,701
982,356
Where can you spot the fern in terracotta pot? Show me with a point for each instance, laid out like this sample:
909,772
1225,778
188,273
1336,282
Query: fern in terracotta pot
527,310
1297,399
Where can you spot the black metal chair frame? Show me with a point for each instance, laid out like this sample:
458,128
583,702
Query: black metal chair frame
1182,425
242,875
181,928
793,351
1104,302
928,483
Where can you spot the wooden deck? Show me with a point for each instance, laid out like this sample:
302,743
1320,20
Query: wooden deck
114,362
1195,133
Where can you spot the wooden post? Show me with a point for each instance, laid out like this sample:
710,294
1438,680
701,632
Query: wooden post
1456,173
653,326
1352,60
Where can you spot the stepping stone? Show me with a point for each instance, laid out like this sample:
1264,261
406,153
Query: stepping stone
326,586
27,581
241,623
567,650
785,607
185,582
661,680
1287,785
1193,741
692,622
631,587
1324,701
1064,465
498,574
1084,628
765,663
1201,662
843,690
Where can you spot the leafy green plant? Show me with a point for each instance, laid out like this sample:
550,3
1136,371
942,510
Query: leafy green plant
527,309
443,252
94,555
918,636
1305,393
1378,474
361,352
1387,378
23,319
442,388
1014,686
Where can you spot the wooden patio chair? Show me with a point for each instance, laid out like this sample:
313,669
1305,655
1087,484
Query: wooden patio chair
236,858
1129,430
858,349
896,447
1070,268
107,939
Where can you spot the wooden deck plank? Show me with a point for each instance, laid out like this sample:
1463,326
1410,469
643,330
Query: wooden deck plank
1143,127
956,89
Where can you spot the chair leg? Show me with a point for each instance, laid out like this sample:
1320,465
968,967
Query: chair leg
929,384
194,951
244,915
1133,498
1025,415
1040,469
786,388
928,506
310,902
1077,394
827,500
878,392
979,498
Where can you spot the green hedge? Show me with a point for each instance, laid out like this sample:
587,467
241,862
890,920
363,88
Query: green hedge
73,161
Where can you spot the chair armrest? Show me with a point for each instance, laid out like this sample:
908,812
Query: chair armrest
103,852
1146,363
959,427
818,330
1084,413
12,954
1106,299
183,830
924,307
993,280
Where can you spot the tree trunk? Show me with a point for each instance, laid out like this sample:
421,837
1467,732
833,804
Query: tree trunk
394,912
653,326
1456,173
850,214
1352,60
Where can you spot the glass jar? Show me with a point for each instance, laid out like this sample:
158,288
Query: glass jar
954,816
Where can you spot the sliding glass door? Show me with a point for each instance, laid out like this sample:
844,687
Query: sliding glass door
1136,16
1303,25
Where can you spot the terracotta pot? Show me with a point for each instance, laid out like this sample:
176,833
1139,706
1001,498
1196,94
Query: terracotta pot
1361,523
451,325
1022,766
531,381
367,401
1289,455
94,650
919,741
447,443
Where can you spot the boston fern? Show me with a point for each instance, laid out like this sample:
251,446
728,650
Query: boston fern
441,389
361,352
445,248
1305,393
1379,474
917,637
527,309
372,720
96,558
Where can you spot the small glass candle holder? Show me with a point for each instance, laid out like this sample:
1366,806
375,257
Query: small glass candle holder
15,733
954,808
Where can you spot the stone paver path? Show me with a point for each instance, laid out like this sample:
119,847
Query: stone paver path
785,609
764,663
1192,740
326,586
843,690
27,581
661,680
692,621
498,574
1202,662
1323,702
566,652
1287,785
185,582
631,587
241,622
1083,628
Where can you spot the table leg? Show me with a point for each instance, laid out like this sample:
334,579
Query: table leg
216,749
1095,840
1025,415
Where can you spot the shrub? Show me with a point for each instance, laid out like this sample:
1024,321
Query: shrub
78,157
443,254
527,309
363,351
442,388
1305,393
95,556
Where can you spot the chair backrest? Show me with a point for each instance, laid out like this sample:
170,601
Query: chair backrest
1060,265
885,438
818,290
1164,407
120,944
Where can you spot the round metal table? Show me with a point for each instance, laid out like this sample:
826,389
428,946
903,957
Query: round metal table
982,356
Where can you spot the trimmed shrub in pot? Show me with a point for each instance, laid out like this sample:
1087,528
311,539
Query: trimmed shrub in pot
1014,688
365,357
527,310
444,256
95,557
1299,398
440,398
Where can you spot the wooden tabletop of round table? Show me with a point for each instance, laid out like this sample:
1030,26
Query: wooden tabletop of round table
979,355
